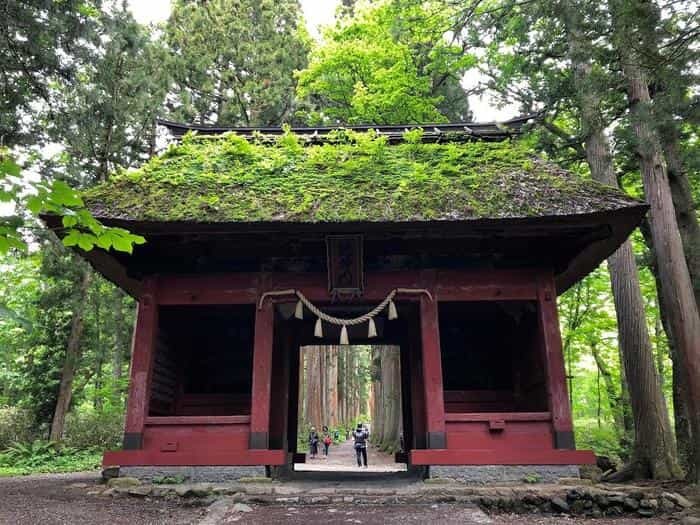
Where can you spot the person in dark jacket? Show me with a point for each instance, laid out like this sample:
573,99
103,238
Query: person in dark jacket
313,443
360,436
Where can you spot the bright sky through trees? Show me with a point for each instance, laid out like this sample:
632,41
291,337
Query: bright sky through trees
318,13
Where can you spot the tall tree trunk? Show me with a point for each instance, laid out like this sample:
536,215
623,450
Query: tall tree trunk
613,396
378,415
70,363
97,399
391,381
302,417
680,410
683,204
654,451
341,387
120,347
332,385
314,413
673,271
323,385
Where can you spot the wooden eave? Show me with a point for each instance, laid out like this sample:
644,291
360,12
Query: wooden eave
598,236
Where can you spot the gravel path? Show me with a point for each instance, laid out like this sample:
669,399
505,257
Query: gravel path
49,499
342,458
443,514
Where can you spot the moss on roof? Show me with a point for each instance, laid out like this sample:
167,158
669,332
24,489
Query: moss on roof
349,177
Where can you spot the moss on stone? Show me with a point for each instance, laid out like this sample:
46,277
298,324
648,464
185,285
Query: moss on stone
349,177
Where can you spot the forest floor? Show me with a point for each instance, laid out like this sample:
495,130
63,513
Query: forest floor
78,499
342,458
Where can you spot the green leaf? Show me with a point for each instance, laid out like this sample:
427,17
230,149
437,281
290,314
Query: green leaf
72,238
122,245
104,241
69,221
63,194
86,241
35,204
9,167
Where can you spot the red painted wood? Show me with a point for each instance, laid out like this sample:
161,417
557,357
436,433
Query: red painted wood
145,333
506,416
262,370
192,439
449,285
516,435
553,354
432,366
279,400
214,404
486,284
198,420
479,401
501,457
230,288
201,457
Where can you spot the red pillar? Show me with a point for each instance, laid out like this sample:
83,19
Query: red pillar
432,374
144,343
554,363
262,378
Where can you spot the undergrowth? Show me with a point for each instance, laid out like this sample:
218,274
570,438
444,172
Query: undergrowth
44,456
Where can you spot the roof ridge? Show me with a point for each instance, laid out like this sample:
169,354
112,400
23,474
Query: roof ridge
432,132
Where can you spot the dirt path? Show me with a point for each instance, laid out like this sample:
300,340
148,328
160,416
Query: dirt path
442,514
342,458
52,499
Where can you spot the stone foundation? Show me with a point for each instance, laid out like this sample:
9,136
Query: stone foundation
480,474
194,474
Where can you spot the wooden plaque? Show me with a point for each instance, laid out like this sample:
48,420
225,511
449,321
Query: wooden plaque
345,265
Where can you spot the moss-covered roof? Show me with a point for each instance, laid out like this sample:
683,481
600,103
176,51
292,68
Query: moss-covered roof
350,177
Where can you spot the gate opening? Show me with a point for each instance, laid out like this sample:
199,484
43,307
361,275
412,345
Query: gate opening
343,389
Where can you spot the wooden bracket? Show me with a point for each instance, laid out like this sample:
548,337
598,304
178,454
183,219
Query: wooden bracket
497,425
170,446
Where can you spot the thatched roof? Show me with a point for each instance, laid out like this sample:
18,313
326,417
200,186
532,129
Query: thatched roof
348,176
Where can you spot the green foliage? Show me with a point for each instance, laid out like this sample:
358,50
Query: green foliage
232,61
16,426
90,429
532,478
389,63
54,198
105,117
352,177
604,439
45,456
38,36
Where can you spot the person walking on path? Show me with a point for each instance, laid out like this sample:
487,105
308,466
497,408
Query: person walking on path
313,443
360,436
327,440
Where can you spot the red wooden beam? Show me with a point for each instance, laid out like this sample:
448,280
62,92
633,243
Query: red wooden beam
201,457
486,285
145,333
262,377
520,456
198,420
554,362
432,371
449,285
505,416
230,288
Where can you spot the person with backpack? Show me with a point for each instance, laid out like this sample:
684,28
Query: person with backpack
313,443
360,436
327,440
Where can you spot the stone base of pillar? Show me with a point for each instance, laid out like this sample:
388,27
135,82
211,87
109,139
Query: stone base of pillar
481,474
